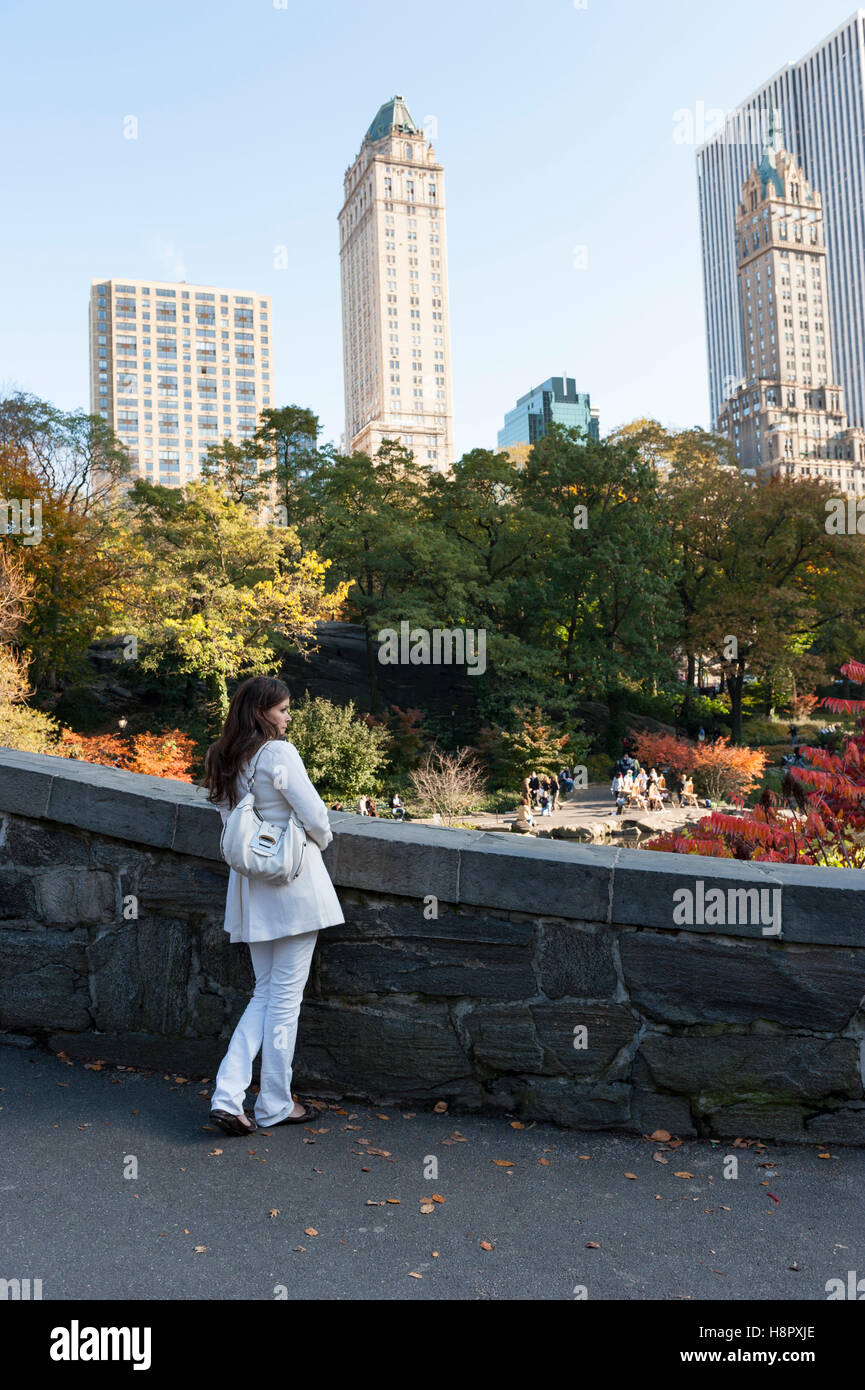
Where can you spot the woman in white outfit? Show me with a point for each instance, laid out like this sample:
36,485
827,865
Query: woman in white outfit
279,922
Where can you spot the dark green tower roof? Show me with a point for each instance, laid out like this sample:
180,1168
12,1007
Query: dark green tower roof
394,115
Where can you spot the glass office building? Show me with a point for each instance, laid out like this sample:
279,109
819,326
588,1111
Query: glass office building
822,109
556,401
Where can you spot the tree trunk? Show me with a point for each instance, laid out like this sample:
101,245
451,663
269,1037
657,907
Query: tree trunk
217,702
735,687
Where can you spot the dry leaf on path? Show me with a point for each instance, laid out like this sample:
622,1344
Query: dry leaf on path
630,1175
310,1231
487,1245
683,1175
515,1124
660,1158
215,1152
660,1136
274,1211
593,1245
503,1163
440,1107
436,1197
545,1161
426,1208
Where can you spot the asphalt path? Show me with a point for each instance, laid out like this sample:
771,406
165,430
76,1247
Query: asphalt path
114,1187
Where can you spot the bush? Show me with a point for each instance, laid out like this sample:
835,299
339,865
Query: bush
341,753
28,730
719,770
170,754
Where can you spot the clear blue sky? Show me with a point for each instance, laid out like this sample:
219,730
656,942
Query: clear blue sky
555,127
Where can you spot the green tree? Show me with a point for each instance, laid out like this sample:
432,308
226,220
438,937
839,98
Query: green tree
213,597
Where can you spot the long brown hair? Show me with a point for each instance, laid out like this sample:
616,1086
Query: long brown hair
243,733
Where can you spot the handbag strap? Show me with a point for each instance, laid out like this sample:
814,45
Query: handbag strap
254,766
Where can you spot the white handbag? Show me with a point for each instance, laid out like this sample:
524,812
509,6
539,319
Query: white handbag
255,847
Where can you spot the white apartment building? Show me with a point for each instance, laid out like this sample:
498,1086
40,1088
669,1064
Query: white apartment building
393,253
175,368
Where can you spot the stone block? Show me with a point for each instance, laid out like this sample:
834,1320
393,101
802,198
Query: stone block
609,1028
18,896
78,896
686,979
752,1120
431,967
743,1066
575,1105
546,878
172,885
846,1125
25,782
504,1038
576,961
33,844
141,977
399,1048
43,980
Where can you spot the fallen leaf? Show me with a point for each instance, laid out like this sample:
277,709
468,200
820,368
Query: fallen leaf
660,1158
310,1231
200,1249
435,1254
515,1124
675,1144
351,1126
794,1265
366,1170
394,1201
592,1245
382,1117
318,1170
824,1155
214,1153
426,1208
437,1198
503,1163
182,1080
299,1247
683,1174
274,1211
631,1175
381,1153
774,1198
546,1161
63,1058
486,1245
415,1276
93,1066
374,1204
585,1156
340,1112
457,1137
440,1107
660,1136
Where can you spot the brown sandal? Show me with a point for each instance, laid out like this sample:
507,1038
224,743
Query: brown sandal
232,1124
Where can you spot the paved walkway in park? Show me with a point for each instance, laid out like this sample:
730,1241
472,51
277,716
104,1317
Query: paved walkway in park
340,1209
592,803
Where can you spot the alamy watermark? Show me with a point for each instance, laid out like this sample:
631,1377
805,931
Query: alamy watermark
715,907
438,646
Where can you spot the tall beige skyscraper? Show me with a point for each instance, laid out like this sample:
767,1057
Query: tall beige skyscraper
175,368
787,415
393,252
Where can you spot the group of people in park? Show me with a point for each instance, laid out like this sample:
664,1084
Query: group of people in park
632,785
366,806
542,793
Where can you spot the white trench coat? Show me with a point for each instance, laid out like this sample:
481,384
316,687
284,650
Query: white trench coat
259,911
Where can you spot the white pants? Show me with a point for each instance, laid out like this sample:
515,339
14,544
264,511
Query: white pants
269,1022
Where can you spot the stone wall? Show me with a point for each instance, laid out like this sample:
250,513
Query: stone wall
468,965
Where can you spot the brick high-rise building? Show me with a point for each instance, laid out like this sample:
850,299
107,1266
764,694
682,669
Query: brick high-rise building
821,100
787,415
393,254
175,368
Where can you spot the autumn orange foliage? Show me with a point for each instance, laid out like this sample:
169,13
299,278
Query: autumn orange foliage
721,772
171,754
821,821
